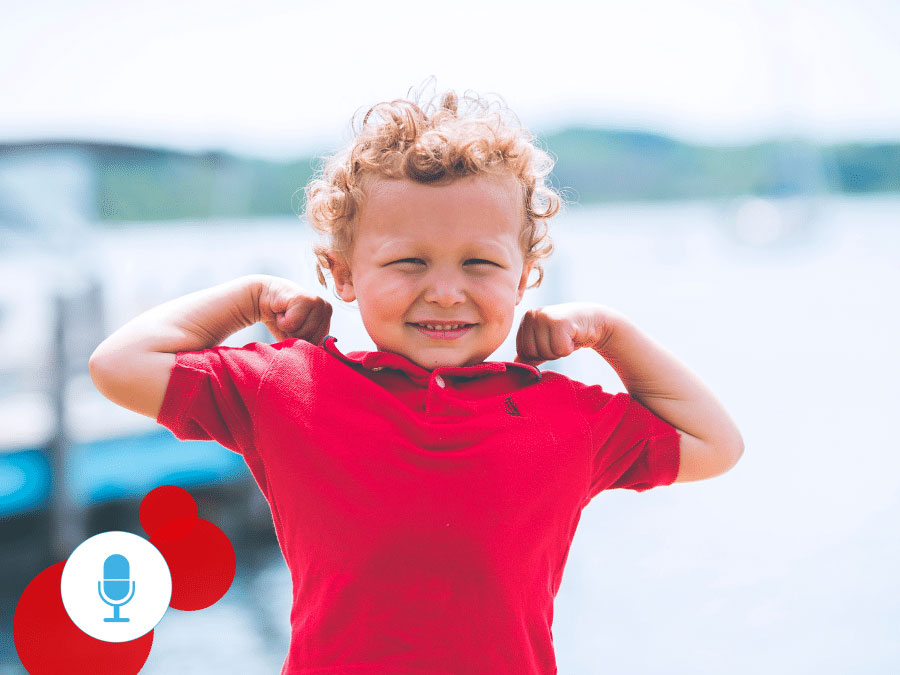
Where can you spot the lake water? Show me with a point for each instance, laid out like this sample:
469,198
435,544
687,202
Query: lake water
786,564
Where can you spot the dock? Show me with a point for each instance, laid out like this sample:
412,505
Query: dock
69,458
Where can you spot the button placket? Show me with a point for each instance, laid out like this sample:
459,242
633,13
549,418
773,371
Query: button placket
435,399
441,399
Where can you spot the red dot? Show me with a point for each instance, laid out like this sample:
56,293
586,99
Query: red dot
49,643
201,561
163,504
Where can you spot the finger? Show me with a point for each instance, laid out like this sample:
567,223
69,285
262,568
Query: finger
297,312
542,343
322,328
323,325
525,345
523,322
272,301
561,342
308,322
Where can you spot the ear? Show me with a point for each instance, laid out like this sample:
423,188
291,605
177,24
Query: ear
523,282
343,283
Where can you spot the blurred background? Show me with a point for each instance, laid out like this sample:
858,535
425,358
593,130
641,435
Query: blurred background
734,176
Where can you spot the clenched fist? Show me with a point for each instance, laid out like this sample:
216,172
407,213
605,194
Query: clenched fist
556,331
290,311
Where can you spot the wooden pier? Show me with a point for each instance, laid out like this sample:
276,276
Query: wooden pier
73,464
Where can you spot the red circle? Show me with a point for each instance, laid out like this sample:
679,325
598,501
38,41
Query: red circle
163,504
200,558
49,643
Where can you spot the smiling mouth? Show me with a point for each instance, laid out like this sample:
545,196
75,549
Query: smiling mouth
442,326
443,331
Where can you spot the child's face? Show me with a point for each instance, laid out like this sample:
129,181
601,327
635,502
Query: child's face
438,255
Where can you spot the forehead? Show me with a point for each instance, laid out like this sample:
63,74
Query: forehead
482,205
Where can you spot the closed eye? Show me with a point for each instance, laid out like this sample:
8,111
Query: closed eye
419,261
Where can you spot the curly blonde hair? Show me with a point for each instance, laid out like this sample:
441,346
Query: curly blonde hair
428,144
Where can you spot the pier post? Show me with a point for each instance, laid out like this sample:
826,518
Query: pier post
77,329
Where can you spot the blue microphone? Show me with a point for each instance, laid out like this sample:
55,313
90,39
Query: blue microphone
114,587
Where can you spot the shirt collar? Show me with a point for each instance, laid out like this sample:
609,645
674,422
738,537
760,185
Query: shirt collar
379,360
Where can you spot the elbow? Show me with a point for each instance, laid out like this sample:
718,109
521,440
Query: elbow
96,369
700,459
101,370
728,457
725,459
94,360
97,356
735,452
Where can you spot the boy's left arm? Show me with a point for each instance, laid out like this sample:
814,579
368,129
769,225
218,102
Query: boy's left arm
710,441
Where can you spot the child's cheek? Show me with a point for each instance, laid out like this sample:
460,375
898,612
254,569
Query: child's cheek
394,286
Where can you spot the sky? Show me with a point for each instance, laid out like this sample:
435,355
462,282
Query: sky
279,78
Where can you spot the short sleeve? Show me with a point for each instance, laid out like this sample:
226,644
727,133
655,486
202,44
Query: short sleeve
632,447
211,394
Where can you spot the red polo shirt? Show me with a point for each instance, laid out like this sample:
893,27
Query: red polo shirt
425,516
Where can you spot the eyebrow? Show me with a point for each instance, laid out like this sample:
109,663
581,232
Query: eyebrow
395,245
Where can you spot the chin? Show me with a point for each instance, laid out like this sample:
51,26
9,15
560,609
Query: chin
430,363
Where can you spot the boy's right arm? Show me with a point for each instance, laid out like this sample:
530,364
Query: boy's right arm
132,366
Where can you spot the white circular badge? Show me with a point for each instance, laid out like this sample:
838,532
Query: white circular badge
116,586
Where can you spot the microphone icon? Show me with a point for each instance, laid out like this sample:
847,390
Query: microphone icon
114,587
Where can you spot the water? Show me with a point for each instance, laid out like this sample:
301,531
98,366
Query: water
786,564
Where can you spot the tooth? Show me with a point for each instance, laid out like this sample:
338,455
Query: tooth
442,326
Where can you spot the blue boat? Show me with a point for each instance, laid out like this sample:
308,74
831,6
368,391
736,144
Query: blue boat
115,468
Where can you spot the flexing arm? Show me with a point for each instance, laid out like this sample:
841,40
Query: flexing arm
132,366
710,442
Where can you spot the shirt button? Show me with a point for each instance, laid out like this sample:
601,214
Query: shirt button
439,381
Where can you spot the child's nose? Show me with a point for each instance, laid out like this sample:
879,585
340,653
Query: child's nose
445,289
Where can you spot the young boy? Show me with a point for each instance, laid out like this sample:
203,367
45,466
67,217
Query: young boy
424,498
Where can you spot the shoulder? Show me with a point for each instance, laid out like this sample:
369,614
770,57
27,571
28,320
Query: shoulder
288,358
566,396
291,354
553,383
554,378
250,361
296,348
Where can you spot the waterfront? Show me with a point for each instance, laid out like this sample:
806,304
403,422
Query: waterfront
787,564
